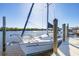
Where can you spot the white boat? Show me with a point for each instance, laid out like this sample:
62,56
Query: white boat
36,45
32,45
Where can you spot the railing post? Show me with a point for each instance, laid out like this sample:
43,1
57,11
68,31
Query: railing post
4,37
55,30
64,31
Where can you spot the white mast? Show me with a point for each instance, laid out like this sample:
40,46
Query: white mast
47,16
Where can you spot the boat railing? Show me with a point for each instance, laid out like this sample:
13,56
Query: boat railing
20,39
15,36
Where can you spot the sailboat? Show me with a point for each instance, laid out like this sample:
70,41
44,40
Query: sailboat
33,45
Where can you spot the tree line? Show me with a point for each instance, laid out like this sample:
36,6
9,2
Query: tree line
19,29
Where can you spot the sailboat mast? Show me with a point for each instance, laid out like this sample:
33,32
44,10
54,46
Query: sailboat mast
27,19
47,16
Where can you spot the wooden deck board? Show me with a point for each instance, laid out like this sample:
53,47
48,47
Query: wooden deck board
13,50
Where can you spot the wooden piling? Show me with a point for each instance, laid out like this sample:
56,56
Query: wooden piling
55,30
64,31
67,30
4,37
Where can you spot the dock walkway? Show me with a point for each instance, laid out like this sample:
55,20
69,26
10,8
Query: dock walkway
13,50
69,48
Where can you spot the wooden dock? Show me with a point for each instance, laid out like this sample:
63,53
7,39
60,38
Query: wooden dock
13,50
69,47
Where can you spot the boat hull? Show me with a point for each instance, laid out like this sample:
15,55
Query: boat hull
32,48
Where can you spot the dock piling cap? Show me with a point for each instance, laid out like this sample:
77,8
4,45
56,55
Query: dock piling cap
55,20
4,17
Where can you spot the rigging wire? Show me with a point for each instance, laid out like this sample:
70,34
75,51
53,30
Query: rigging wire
34,24
42,18
54,10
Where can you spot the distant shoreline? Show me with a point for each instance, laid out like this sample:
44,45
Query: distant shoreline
25,30
21,29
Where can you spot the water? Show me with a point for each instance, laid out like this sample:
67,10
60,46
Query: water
9,39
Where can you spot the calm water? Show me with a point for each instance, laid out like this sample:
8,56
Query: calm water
9,39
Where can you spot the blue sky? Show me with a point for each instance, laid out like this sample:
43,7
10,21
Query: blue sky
16,14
